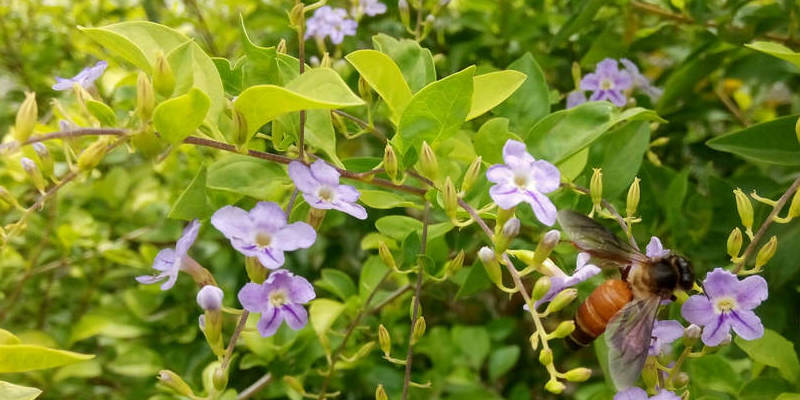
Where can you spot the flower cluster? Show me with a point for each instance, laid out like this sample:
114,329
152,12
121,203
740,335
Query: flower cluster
280,298
369,7
335,24
85,78
611,83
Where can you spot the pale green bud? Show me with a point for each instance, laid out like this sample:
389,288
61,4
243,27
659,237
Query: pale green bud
27,116
386,255
745,209
326,61
456,263
546,357
489,261
92,155
596,186
541,287
659,141
681,380
411,307
554,386
390,162
294,383
163,78
45,159
384,340
419,329
563,330
534,339
766,252
364,90
34,173
511,228
145,97
633,198
546,246
241,135
9,198
405,13
578,374
472,174
576,74
562,299
450,198
219,379
380,393
428,162
797,129
735,242
296,16
175,382
281,47
794,207
255,271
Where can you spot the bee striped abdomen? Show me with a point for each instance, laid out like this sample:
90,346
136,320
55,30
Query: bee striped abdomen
595,312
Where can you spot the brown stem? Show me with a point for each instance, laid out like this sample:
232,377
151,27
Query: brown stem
362,123
764,225
226,360
731,106
68,134
255,387
415,312
301,55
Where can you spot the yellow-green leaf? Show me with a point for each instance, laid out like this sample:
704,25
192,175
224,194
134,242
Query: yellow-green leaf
102,112
7,337
178,117
493,88
322,314
383,74
10,391
777,50
28,357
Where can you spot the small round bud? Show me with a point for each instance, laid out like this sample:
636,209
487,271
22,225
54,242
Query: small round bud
175,382
541,287
27,116
411,308
745,209
45,159
564,329
492,266
380,393
596,186
562,299
578,374
219,379
390,164
486,254
692,332
456,263
384,340
163,78
546,357
386,255
735,242
633,198
428,162
209,298
681,380
766,252
145,97
554,386
546,246
511,228
419,329
472,174
450,198
797,129
34,173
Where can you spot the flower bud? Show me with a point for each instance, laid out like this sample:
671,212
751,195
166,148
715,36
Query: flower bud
428,162
326,61
27,116
175,382
384,340
596,186
766,252
92,155
380,393
692,332
450,199
563,330
489,261
562,299
534,339
419,329
405,13
364,90
650,373
541,287
241,135
659,141
681,380
315,217
296,16
45,159
386,255
578,374
145,97
34,173
9,198
390,162
209,298
411,307
473,171
163,78
546,246
794,207
255,271
546,357
281,47
293,383
554,386
576,74
511,228
745,209
456,263
734,242
219,379
633,198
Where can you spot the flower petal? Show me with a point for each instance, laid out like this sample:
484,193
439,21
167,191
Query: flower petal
665,395
324,173
500,173
302,178
582,259
633,393
746,324
268,216
615,96
150,279
253,297
353,209
187,238
575,98
232,222
546,176
720,282
698,310
590,82
270,321
585,272
752,291
506,196
297,235
715,332
270,257
514,149
165,260
300,290
347,193
607,67
543,208
295,315
654,249
557,284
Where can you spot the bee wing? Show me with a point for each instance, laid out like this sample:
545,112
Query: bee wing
628,336
599,242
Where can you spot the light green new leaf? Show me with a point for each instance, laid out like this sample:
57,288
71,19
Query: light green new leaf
399,226
323,313
7,337
382,199
102,112
29,357
502,360
192,203
774,350
336,282
776,50
179,117
319,132
10,391
435,112
772,142
491,138
320,88
622,156
381,72
493,88
531,102
415,61
249,176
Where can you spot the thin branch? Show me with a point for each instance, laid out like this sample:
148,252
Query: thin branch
67,134
363,124
731,106
226,360
392,297
415,312
255,387
764,225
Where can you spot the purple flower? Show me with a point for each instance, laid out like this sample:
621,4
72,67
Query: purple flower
727,303
575,98
279,298
664,333
370,7
608,82
636,393
85,78
263,232
583,271
209,298
320,186
654,249
640,81
330,22
170,261
523,178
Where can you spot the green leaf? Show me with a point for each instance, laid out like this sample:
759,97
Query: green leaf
138,42
788,396
249,176
86,369
179,117
7,337
110,325
531,102
581,19
336,282
230,75
29,357
372,273
682,83
137,362
264,65
776,50
502,360
10,391
623,149
772,142
104,114
320,88
382,199
572,167
322,314
415,62
715,373
383,75
773,350
476,281
491,138
493,88
763,388
192,203
399,226
474,343
319,131
435,112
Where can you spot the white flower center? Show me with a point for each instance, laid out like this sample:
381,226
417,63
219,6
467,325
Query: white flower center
263,239
724,304
606,84
325,193
278,298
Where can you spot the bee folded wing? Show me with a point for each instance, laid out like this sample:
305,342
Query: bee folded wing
605,247
628,336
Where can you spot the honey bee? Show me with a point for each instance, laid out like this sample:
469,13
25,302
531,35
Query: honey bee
625,309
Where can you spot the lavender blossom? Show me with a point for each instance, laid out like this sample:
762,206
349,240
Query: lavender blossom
608,83
263,232
640,81
170,261
330,22
369,7
655,249
280,298
575,98
524,179
664,333
320,186
583,271
85,78
636,393
727,303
